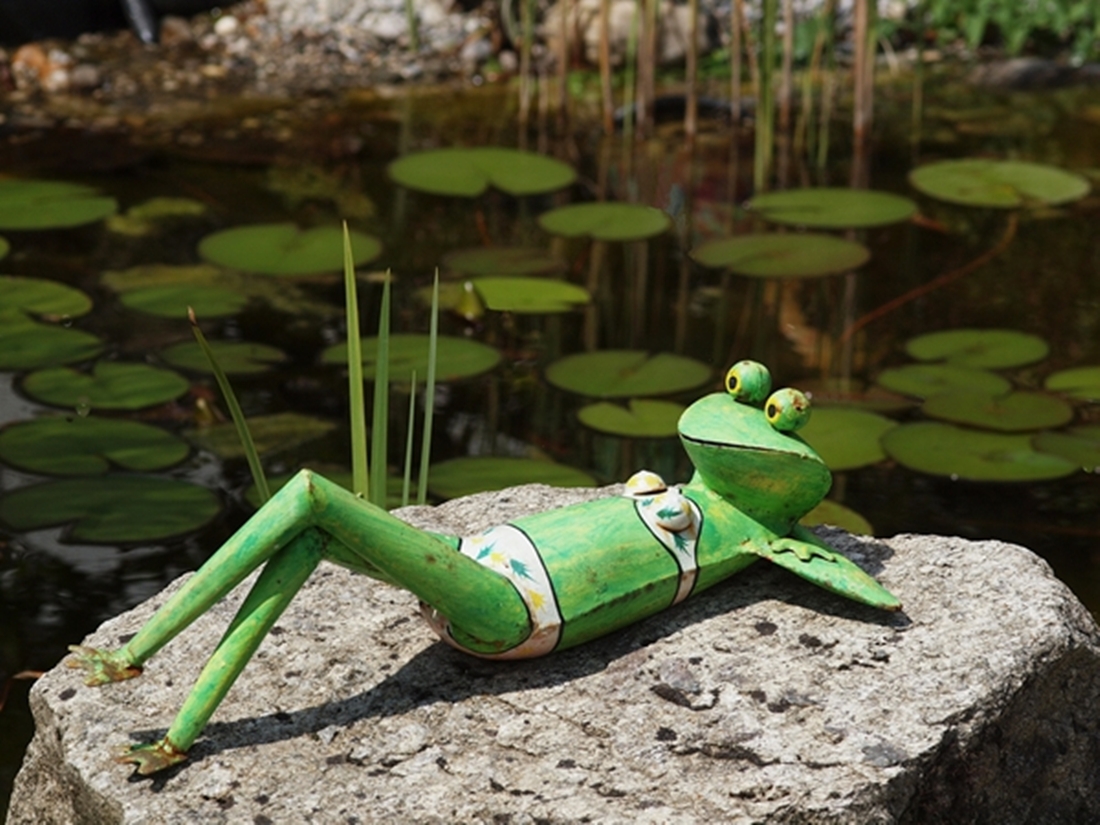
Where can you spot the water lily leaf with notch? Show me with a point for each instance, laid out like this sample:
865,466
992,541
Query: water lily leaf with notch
984,348
1080,445
846,438
456,358
26,345
280,294
606,221
837,515
957,452
927,380
626,373
641,418
284,249
50,204
805,255
271,434
173,301
465,476
1076,382
112,385
998,184
85,445
502,260
113,509
234,357
530,295
5,247
36,296
1008,412
832,207
469,172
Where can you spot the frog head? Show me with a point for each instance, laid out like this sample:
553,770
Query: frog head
744,449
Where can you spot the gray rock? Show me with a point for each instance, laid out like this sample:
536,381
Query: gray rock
764,699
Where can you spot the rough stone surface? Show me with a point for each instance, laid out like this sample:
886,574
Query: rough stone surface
762,700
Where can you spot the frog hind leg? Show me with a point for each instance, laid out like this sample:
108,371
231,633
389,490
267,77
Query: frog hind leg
805,555
307,520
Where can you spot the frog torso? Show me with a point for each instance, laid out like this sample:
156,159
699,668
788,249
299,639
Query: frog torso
586,570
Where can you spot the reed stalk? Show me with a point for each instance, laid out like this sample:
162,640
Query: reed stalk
235,412
607,96
429,397
765,101
380,413
360,473
691,111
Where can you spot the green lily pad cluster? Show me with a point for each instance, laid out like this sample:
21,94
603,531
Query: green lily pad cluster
629,374
986,430
34,324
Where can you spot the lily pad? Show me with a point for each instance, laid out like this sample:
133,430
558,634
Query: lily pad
5,247
927,380
805,255
846,438
465,476
279,293
626,373
456,358
832,208
284,249
270,433
1080,445
641,418
998,184
502,260
530,295
469,172
85,445
114,509
1076,382
143,218
234,357
112,385
947,450
837,515
173,301
50,204
984,348
25,345
606,221
37,296
1007,412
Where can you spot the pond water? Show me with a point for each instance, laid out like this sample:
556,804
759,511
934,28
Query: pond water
315,162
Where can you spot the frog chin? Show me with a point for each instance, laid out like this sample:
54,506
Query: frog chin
774,487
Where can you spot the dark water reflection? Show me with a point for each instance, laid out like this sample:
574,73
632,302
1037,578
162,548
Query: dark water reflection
323,159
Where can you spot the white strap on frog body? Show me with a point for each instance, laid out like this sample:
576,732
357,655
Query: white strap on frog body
673,519
507,550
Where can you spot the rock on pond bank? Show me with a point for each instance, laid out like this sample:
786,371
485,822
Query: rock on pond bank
764,699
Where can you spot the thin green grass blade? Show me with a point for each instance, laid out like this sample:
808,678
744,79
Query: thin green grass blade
360,473
235,412
409,442
380,416
429,397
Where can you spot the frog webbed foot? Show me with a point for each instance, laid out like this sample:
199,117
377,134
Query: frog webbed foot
101,666
150,757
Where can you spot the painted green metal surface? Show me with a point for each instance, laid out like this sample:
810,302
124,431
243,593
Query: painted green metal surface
541,583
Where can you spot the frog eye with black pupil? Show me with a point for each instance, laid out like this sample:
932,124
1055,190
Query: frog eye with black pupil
787,410
749,381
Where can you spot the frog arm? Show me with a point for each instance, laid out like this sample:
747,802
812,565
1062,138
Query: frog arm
805,555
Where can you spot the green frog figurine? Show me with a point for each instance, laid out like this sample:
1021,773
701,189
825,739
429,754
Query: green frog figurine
538,584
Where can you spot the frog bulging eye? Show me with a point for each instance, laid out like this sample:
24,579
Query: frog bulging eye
787,410
749,381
